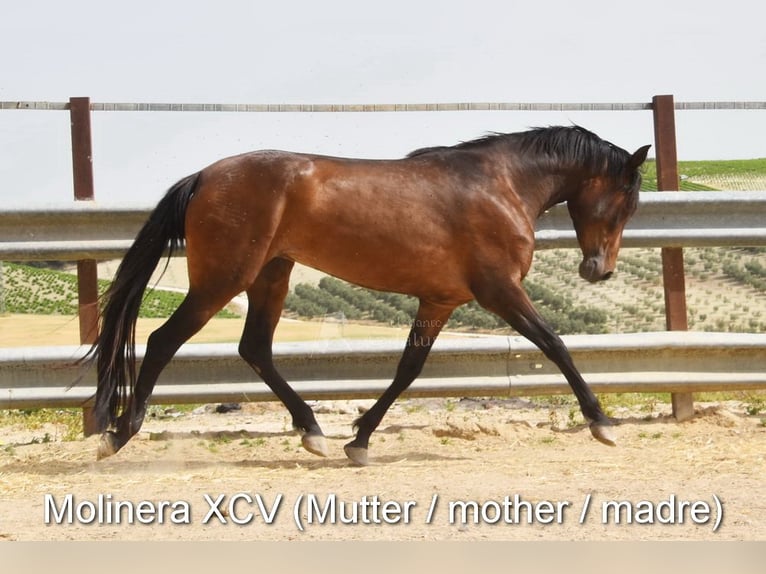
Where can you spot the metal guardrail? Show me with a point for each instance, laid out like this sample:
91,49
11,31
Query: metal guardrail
69,231
93,230
342,369
676,219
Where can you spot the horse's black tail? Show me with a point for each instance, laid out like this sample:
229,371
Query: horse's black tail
114,351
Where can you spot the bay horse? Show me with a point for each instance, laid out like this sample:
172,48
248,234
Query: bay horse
446,224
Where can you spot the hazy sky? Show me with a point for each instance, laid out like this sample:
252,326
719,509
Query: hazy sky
332,51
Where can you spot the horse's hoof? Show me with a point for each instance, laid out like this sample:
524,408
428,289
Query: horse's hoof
356,454
603,433
106,446
315,444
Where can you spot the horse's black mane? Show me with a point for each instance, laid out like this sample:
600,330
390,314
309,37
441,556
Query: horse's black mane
568,145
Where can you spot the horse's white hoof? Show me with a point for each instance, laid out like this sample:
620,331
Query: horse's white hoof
603,433
315,444
357,455
106,446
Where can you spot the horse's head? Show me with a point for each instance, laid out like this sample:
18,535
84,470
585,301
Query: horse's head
600,211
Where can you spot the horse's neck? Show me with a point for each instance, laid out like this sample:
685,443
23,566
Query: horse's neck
546,192
538,188
558,194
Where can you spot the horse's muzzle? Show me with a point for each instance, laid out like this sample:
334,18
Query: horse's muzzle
592,270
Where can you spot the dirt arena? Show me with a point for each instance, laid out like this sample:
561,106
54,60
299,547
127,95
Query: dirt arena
440,470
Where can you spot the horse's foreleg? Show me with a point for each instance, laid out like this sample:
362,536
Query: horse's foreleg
265,299
426,327
193,313
512,303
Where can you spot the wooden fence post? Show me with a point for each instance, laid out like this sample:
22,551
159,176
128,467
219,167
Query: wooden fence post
673,279
87,276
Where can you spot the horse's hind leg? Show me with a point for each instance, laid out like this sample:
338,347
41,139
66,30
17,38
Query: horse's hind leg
193,313
265,299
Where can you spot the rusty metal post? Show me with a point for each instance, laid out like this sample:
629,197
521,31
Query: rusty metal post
673,278
87,277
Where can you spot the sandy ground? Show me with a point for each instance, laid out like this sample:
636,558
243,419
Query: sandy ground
522,472
40,330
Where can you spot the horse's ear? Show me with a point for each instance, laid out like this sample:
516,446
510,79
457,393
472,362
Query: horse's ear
639,157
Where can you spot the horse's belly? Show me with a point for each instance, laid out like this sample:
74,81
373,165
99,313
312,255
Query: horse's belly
426,271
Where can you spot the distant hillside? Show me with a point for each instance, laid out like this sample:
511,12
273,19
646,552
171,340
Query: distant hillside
731,175
32,290
726,291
